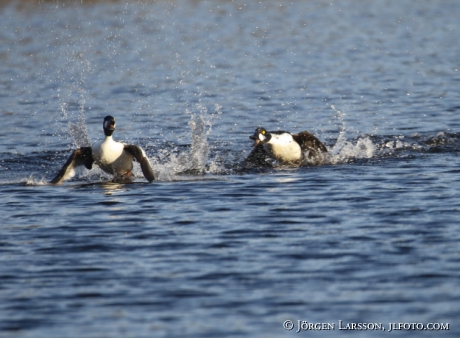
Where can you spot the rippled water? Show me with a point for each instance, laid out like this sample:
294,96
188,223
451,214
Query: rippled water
214,249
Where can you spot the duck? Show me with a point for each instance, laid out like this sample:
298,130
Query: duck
285,147
111,156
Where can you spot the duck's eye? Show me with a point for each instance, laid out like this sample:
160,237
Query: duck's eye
263,132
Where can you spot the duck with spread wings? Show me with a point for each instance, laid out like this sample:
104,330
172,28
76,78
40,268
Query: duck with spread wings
111,156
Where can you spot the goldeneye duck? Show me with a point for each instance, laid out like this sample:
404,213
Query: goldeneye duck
285,147
111,156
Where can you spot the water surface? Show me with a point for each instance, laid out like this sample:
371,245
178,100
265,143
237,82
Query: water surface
213,249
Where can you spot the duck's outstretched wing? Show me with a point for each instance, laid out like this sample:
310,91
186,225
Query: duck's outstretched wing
79,157
140,157
309,142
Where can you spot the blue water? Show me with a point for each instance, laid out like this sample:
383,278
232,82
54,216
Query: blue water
213,248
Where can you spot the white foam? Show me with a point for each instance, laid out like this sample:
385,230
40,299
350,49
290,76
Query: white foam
345,150
32,181
195,160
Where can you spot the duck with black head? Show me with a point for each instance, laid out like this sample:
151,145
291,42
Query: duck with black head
111,156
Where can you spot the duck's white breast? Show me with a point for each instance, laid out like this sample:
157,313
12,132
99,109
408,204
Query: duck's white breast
110,157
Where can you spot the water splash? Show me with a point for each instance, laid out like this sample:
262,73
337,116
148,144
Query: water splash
342,131
344,150
195,159
32,181
79,130
73,90
363,148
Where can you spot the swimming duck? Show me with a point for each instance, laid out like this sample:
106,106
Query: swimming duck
285,147
111,156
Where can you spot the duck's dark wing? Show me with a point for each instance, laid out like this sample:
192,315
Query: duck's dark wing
308,142
79,157
140,157
257,157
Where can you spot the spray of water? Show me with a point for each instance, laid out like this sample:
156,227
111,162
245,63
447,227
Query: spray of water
195,159
78,129
343,150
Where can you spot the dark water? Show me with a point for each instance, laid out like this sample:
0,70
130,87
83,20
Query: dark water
212,249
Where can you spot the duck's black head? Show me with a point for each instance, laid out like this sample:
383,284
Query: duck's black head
109,125
260,136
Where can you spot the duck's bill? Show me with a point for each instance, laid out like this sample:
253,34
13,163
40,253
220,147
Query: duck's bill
256,140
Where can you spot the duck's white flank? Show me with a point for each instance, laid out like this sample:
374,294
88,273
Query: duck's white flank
283,148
